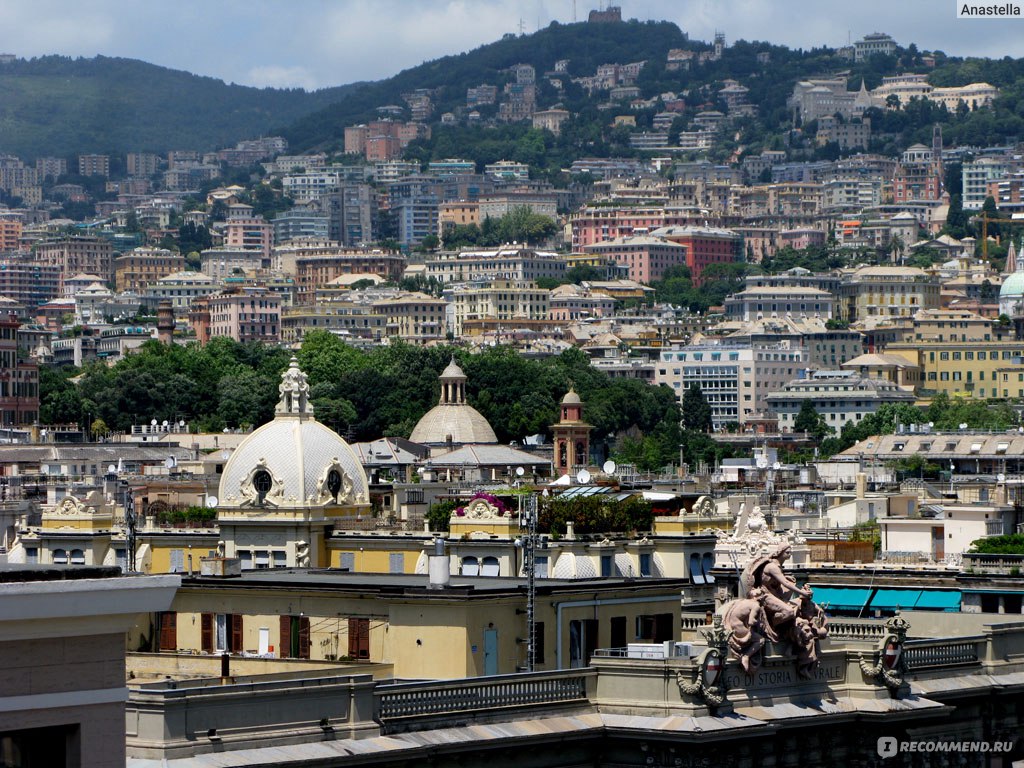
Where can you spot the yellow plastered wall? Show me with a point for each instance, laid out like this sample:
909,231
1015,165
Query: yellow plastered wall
328,635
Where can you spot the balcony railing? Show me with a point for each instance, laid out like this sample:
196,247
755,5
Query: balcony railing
942,652
404,702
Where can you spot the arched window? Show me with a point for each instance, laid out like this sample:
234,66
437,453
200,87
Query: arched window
489,566
707,563
60,557
77,557
262,482
470,566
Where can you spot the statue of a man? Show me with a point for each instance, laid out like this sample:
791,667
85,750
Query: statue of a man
779,587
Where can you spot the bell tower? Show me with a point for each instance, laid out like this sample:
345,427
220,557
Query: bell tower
572,436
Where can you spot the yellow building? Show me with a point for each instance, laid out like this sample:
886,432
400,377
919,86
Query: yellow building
413,317
471,627
975,369
886,292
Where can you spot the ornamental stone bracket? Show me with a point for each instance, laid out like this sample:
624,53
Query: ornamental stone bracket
889,666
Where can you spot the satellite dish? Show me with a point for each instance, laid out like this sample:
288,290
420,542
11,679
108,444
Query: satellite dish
211,501
762,462
169,462
520,471
963,425
153,423
583,477
181,423
777,465
609,467
1001,477
111,469
225,455
165,422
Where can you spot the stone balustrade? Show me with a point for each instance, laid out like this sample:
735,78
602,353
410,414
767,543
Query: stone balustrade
855,629
934,653
407,702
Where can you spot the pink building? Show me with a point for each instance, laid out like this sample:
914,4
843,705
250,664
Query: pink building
244,230
246,314
646,257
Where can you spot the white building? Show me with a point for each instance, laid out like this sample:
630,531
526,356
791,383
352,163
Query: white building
839,397
735,379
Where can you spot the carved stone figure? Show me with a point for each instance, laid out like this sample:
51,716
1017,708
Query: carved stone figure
302,554
768,612
748,622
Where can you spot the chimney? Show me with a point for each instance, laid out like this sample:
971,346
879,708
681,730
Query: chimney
438,567
862,485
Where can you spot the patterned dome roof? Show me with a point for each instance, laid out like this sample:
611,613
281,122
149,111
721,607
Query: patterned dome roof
453,419
1013,286
293,461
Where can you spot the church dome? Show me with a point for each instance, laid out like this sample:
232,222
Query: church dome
293,461
571,398
453,420
1013,286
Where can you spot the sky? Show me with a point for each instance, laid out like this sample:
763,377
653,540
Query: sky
319,43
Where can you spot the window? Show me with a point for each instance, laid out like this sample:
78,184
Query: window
177,561
607,565
396,562
60,557
334,483
489,566
262,560
168,638
538,642
470,566
77,557
645,563
359,638
31,555
245,558
262,482
347,561
696,570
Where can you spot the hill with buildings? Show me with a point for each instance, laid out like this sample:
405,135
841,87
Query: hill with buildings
56,105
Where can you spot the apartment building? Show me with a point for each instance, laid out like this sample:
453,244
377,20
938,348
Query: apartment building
839,397
76,254
572,303
94,165
142,164
646,257
761,302
135,270
969,369
245,230
179,288
246,314
10,231
736,379
348,319
314,264
704,246
19,379
501,300
509,262
877,292
413,317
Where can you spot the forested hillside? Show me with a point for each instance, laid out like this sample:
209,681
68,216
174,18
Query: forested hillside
55,105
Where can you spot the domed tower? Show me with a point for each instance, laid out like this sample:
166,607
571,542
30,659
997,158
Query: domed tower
453,421
1011,293
572,436
287,483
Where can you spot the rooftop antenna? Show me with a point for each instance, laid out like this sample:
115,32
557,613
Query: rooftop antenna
573,11
522,27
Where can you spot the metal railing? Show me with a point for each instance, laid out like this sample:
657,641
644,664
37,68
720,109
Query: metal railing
404,701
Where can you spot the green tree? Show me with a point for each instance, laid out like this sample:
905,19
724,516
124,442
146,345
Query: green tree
810,421
696,410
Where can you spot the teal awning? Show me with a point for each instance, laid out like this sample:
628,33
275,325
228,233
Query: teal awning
841,598
939,600
891,599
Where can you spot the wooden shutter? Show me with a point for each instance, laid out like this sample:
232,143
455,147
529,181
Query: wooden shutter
359,638
303,637
206,632
168,631
235,645
284,648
